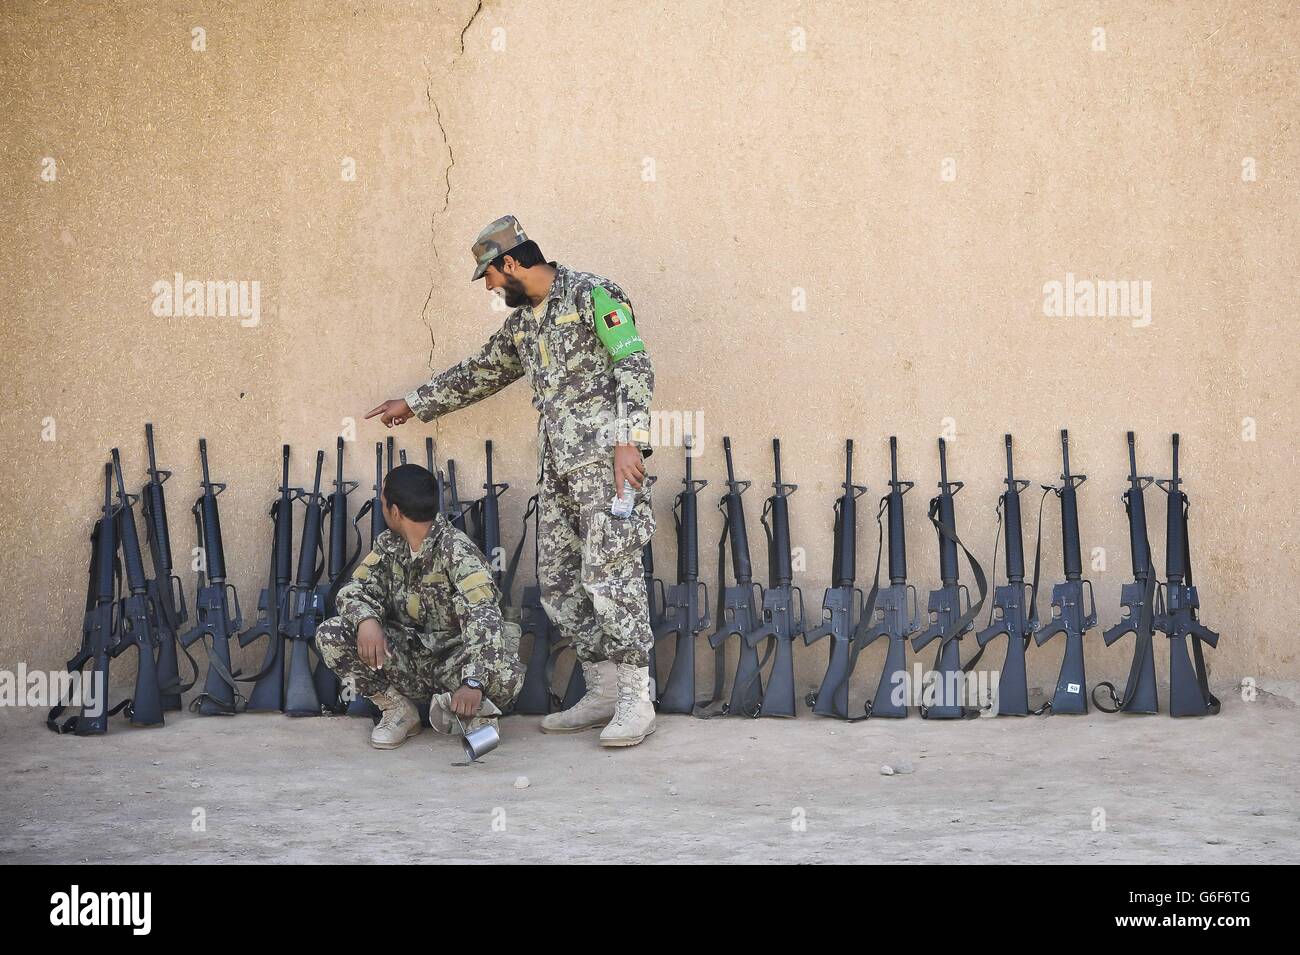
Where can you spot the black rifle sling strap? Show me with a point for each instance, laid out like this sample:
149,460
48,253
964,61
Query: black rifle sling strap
1142,650
155,547
770,649
970,613
532,512
1212,704
997,539
858,641
1033,589
1142,635
52,717
214,662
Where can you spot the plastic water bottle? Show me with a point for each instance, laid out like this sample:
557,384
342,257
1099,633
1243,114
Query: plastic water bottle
621,506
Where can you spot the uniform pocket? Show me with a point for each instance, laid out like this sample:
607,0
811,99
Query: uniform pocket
611,538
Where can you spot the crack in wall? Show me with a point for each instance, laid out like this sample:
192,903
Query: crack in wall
472,17
446,195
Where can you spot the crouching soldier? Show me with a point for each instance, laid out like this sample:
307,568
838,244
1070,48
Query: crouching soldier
421,620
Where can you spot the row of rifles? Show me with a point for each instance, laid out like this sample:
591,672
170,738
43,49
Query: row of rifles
125,607
773,616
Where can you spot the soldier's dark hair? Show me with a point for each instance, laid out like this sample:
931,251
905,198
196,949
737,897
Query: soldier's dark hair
527,254
411,489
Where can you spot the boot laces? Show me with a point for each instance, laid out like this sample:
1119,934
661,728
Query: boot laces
628,696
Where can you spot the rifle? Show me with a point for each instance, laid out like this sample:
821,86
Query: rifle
374,506
1139,601
138,613
100,628
220,695
1068,615
842,605
655,600
535,696
948,622
779,624
685,610
338,568
165,590
1010,600
306,606
737,613
487,521
359,705
1189,688
895,616
272,602
456,512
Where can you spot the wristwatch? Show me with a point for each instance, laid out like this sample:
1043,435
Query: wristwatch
473,684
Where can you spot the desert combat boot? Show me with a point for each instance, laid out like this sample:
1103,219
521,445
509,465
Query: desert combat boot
596,708
399,721
634,714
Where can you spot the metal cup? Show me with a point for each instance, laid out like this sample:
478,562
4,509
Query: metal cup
480,742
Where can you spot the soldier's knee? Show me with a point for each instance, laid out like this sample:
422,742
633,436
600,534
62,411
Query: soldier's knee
333,636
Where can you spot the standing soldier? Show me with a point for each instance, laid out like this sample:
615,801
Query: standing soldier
573,335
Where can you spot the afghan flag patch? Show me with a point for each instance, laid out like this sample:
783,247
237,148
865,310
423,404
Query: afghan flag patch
615,326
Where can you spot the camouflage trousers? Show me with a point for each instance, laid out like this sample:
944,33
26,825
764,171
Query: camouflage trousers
589,564
412,668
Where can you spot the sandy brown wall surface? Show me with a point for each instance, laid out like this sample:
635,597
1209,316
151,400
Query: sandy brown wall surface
835,220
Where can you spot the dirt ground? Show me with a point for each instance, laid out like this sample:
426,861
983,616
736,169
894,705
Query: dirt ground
274,789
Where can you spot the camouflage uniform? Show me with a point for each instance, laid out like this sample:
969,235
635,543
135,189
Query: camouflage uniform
589,562
441,614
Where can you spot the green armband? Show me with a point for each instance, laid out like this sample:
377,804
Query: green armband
614,325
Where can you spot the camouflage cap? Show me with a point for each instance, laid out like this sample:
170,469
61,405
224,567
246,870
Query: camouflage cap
497,238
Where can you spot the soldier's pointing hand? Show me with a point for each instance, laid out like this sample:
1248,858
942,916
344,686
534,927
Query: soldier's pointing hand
394,411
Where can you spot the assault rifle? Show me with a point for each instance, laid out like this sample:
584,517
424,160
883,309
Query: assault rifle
686,608
1189,688
138,613
338,565
487,521
1011,601
1139,600
100,631
655,601
456,512
779,623
535,696
164,587
842,606
273,601
374,506
1068,615
306,606
738,604
897,614
948,622
213,619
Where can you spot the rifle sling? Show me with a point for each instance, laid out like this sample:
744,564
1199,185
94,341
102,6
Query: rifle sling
971,612
1212,704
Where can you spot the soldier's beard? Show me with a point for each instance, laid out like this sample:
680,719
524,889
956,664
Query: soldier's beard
513,292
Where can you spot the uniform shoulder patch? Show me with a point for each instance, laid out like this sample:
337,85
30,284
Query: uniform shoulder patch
615,326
